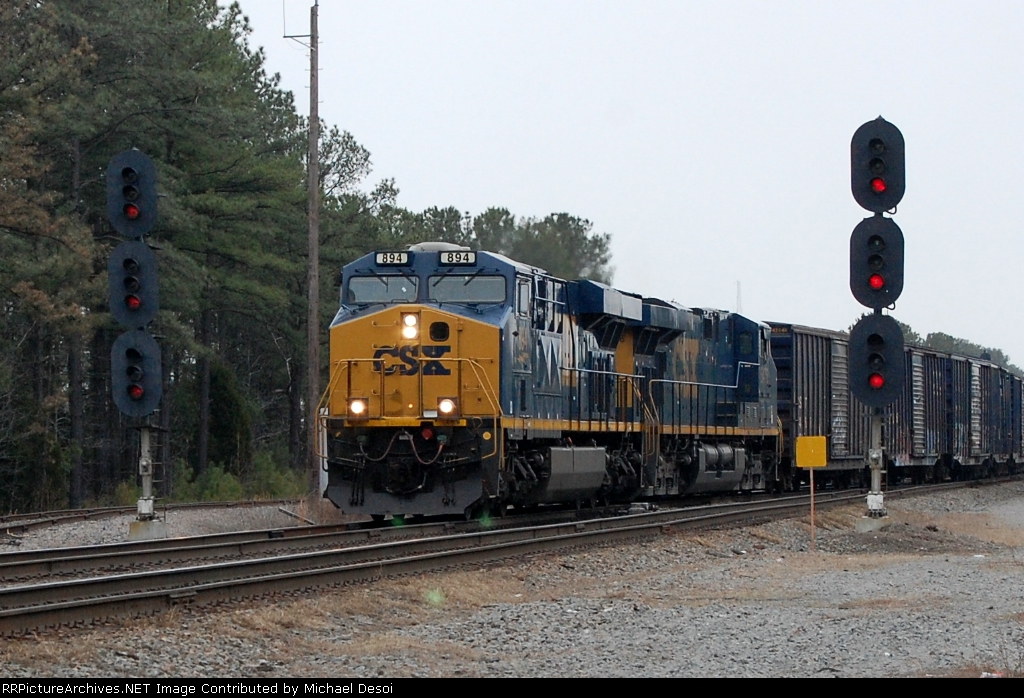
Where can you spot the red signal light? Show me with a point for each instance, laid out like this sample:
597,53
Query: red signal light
427,433
131,211
135,391
132,302
878,185
876,281
876,381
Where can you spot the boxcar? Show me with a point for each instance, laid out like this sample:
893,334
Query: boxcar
957,416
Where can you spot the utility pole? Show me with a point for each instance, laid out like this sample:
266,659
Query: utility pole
313,282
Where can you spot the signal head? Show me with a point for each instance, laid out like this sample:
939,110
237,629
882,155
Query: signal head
135,373
133,294
876,364
877,166
131,193
876,262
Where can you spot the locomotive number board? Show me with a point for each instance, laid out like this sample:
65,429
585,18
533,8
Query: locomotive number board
392,259
454,258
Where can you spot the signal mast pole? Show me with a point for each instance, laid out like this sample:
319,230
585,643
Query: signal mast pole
876,502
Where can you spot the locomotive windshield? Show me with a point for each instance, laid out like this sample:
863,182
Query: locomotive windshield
466,288
382,288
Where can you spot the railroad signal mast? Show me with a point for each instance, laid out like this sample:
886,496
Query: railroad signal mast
877,372
135,362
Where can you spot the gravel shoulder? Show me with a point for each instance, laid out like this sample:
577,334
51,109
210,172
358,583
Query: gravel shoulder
938,591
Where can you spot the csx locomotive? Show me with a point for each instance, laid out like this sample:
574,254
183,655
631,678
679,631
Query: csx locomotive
463,380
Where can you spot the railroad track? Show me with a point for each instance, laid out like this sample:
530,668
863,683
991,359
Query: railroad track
40,605
23,523
23,565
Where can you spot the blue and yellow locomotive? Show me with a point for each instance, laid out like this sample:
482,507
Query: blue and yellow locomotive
462,380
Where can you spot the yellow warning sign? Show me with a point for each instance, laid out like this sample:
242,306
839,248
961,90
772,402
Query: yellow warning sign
811,451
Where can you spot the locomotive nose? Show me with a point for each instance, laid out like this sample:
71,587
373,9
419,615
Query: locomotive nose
411,363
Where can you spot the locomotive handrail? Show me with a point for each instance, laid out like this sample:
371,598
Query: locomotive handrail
606,373
739,365
632,380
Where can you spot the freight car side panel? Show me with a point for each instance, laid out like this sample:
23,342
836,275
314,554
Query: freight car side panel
1004,412
840,441
813,391
812,384
918,391
897,434
958,401
933,399
977,401
1018,419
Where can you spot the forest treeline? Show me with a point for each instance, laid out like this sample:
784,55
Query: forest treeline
940,341
81,80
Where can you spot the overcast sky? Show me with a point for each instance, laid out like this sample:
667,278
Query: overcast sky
710,139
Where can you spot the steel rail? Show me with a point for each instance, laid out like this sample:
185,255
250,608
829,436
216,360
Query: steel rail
45,562
61,603
68,603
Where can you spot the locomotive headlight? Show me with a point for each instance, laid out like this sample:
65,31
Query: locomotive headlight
446,406
357,408
410,326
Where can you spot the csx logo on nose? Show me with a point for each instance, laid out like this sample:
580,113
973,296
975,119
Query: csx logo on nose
408,356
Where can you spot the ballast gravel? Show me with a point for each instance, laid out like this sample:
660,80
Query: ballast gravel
938,591
179,522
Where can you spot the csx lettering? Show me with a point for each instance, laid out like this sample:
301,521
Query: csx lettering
408,363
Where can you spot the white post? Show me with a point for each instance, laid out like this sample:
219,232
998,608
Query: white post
145,509
876,505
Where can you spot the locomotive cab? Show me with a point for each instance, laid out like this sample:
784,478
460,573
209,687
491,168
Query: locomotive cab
412,407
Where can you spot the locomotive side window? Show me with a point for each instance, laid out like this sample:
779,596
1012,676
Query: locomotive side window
523,297
466,288
549,305
745,340
381,288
